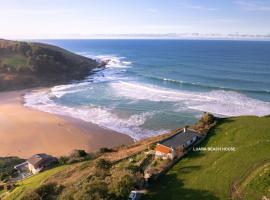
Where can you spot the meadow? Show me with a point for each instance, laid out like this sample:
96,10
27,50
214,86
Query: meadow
208,175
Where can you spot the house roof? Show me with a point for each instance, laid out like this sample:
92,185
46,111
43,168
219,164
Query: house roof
163,149
38,158
179,139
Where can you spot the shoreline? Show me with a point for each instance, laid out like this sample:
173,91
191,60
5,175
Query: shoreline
26,131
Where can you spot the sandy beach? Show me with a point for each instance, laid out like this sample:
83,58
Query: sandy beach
25,131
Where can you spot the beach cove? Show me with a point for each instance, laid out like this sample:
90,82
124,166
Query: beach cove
25,131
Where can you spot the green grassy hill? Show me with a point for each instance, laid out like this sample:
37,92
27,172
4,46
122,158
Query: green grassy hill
209,175
27,64
256,184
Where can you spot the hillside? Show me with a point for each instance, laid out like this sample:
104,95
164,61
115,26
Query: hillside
112,173
209,175
27,64
108,170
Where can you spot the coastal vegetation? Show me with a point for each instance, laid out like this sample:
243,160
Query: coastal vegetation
27,64
7,167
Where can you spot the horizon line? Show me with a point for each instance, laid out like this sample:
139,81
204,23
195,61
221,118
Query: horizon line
141,38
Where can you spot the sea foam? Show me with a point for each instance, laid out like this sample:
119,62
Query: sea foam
101,116
217,101
227,103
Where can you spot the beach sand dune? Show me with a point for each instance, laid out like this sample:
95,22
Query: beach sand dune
25,131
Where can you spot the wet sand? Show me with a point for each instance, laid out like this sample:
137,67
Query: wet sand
25,131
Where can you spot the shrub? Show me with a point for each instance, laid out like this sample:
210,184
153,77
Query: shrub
7,167
152,146
31,195
95,189
105,150
207,118
121,183
63,160
133,168
77,153
103,164
48,191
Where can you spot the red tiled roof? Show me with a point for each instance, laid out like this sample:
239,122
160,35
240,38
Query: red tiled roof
163,149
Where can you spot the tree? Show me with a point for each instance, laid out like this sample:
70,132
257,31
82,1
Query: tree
207,118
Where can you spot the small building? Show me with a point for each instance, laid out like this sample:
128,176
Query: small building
40,161
174,145
36,163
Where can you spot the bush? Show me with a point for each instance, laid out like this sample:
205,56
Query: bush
47,191
4,176
207,118
122,182
31,195
152,146
7,167
75,156
90,189
77,153
63,160
96,189
133,168
105,150
103,164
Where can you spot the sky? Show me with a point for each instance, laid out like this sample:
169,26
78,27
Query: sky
89,18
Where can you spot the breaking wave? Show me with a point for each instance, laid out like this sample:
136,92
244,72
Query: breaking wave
114,69
101,116
200,85
221,101
227,103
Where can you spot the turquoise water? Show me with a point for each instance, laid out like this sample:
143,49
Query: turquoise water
151,86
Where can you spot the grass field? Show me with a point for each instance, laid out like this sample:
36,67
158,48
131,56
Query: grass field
257,184
32,182
207,175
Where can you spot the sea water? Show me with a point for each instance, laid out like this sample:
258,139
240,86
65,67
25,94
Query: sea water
152,86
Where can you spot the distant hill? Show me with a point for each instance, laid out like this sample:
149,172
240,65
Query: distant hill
27,64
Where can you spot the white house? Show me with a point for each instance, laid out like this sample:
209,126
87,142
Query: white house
36,163
170,147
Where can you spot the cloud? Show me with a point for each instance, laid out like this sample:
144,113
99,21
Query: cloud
197,7
253,5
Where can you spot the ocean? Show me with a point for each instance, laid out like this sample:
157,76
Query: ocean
152,86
